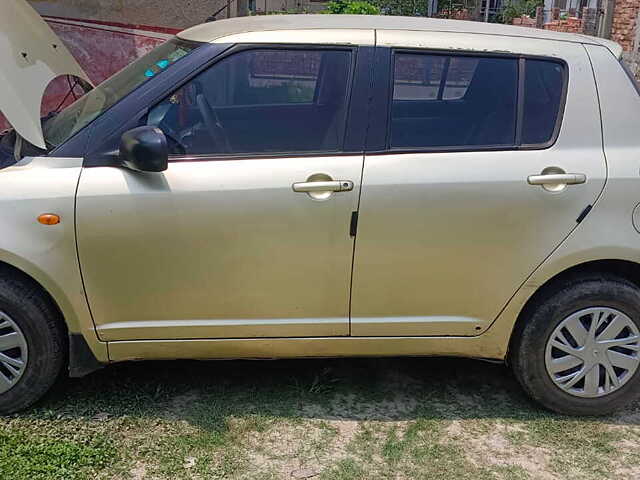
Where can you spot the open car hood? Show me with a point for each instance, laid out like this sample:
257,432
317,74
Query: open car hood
31,55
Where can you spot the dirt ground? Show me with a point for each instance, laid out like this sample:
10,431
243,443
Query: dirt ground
310,419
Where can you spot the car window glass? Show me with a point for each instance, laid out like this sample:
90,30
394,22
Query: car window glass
260,101
542,98
61,127
280,77
453,101
460,71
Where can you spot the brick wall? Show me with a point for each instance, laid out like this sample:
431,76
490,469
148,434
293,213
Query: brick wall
571,25
624,22
525,21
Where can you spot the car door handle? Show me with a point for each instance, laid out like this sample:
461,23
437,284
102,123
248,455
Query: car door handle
324,186
557,179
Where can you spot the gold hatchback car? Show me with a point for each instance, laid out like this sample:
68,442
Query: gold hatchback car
325,186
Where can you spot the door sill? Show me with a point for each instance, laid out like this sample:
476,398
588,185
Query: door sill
483,346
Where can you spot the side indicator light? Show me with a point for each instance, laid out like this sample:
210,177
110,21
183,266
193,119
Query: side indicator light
49,219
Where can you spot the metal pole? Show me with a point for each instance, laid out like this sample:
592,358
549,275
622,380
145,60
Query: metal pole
243,8
607,24
486,10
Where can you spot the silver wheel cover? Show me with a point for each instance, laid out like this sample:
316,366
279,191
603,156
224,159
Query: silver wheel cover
593,352
13,353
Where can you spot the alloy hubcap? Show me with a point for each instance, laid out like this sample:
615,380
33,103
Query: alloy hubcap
593,352
13,353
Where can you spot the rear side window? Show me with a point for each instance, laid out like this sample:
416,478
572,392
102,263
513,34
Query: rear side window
432,77
260,101
471,102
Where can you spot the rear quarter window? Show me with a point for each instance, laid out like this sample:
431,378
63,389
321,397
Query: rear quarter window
543,89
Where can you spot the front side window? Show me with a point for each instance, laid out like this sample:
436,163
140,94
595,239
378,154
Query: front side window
260,101
66,123
471,102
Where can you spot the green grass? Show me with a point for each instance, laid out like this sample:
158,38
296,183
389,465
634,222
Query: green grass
40,456
322,419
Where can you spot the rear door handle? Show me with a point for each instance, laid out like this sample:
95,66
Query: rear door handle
325,186
557,179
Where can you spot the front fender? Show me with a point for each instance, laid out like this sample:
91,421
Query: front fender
47,253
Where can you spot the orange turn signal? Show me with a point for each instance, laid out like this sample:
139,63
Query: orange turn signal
49,219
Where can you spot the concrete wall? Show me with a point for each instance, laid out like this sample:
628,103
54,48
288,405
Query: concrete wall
178,14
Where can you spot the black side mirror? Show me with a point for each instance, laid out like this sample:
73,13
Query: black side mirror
144,149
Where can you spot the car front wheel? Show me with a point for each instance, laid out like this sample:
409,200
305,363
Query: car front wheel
32,343
576,348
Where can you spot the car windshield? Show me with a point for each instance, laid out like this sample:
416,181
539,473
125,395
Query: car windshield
65,124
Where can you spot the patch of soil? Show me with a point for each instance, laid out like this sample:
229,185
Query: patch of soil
300,450
494,448
138,472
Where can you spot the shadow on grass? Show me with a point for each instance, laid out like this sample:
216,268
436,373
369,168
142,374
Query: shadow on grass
207,394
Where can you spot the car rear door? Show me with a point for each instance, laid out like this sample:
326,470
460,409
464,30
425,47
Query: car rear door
247,232
459,205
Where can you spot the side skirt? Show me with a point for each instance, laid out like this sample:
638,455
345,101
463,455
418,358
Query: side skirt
475,347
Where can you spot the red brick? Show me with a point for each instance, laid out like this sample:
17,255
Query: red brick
624,22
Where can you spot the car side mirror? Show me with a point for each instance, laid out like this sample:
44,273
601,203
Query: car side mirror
144,149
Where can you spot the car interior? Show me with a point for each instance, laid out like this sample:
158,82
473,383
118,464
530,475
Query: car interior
484,114
260,101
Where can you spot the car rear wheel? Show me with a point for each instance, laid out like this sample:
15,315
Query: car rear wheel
576,350
32,343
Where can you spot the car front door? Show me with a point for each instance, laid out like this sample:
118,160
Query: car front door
458,206
247,234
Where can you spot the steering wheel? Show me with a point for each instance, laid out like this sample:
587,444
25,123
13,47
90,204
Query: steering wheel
213,124
173,136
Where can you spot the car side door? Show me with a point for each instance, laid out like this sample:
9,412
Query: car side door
459,201
247,232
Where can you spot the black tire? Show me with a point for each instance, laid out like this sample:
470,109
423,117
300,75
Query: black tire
527,352
35,314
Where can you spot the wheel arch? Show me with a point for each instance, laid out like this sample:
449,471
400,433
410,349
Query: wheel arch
81,358
626,269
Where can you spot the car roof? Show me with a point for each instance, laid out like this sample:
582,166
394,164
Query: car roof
217,30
